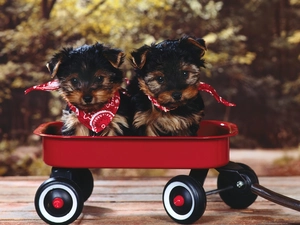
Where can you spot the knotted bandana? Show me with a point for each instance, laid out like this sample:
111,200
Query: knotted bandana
95,121
202,87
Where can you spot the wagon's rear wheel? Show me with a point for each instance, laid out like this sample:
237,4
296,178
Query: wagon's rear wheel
184,199
240,196
58,201
82,177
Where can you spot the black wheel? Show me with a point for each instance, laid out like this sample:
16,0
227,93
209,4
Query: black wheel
82,177
184,199
58,201
240,196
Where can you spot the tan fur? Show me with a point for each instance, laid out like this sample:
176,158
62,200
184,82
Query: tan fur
194,73
171,83
71,121
100,96
113,128
150,86
190,92
115,61
142,63
164,122
87,85
144,87
166,97
119,60
81,130
54,70
194,42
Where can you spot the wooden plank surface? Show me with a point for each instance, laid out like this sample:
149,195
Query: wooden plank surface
138,201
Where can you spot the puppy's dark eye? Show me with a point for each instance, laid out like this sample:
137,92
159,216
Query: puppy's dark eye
160,79
184,74
99,79
74,81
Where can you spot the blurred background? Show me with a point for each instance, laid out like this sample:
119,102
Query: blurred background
252,60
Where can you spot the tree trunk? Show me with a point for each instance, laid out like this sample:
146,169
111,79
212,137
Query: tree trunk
47,6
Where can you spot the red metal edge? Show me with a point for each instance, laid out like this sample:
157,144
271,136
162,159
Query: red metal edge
207,151
228,130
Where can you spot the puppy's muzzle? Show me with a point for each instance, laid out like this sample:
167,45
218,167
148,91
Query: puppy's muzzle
176,95
87,98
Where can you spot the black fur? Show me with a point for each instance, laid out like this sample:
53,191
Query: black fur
163,70
89,76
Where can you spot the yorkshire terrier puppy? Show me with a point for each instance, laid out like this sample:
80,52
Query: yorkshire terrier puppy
90,81
164,89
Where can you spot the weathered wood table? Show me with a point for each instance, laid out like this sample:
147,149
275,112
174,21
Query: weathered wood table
138,201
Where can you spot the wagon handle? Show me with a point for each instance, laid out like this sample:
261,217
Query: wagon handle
275,197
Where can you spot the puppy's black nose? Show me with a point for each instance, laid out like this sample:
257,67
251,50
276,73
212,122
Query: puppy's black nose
176,95
87,98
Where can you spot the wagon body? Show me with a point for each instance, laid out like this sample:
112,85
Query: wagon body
60,199
210,149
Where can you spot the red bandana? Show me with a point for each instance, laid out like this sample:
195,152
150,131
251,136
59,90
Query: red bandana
49,86
95,121
213,92
155,102
202,87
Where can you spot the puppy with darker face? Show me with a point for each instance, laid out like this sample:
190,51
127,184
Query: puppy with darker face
164,89
90,81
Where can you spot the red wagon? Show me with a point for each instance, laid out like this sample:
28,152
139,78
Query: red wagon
60,199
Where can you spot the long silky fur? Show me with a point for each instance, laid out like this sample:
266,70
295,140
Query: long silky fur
159,72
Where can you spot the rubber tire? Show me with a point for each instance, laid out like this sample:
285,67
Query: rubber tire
83,178
238,198
194,199
65,189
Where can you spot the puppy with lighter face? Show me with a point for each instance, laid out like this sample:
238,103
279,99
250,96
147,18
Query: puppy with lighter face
90,82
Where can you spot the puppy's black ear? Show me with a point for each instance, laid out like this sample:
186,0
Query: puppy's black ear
114,56
52,66
138,57
57,59
197,44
